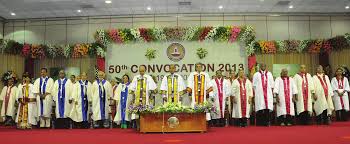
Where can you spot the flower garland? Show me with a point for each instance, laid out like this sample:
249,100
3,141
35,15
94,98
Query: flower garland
159,34
204,33
303,45
211,34
316,46
235,33
37,51
101,37
26,50
80,50
267,47
115,36
67,50
202,53
281,46
51,51
190,33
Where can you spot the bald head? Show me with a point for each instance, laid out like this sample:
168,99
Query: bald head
172,68
142,70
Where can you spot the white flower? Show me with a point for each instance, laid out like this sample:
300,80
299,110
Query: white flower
190,33
136,33
211,34
159,34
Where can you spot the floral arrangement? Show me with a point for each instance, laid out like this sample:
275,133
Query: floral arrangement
206,107
316,46
172,108
292,45
281,46
137,109
115,36
267,47
37,51
235,33
347,37
150,53
339,42
303,45
243,34
101,37
80,50
202,53
26,50
67,50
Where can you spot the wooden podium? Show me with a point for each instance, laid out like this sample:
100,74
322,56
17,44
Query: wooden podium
180,122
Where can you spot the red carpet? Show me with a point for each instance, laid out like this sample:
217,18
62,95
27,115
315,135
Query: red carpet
337,133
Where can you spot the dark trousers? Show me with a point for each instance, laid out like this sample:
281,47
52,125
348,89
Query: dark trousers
81,125
219,122
62,123
285,119
243,122
341,115
9,121
101,123
304,118
263,117
322,118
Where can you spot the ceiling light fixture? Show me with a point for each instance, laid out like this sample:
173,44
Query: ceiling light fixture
347,7
291,6
149,8
13,14
79,11
108,1
221,7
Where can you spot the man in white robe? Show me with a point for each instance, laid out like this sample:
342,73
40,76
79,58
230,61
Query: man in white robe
306,92
198,87
121,96
8,99
172,86
43,87
263,86
141,89
62,96
286,92
220,96
101,93
81,96
242,92
323,96
27,108
231,76
340,85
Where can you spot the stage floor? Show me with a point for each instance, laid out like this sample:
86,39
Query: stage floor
336,133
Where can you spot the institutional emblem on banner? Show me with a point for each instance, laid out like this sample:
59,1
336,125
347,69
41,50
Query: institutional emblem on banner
175,52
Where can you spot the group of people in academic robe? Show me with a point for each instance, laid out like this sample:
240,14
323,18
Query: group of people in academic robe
78,103
300,96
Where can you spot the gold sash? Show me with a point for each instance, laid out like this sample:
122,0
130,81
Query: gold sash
141,91
170,92
23,113
199,95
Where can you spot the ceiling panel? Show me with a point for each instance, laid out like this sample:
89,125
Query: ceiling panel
68,8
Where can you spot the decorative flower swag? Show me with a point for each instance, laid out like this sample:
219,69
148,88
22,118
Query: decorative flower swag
243,34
